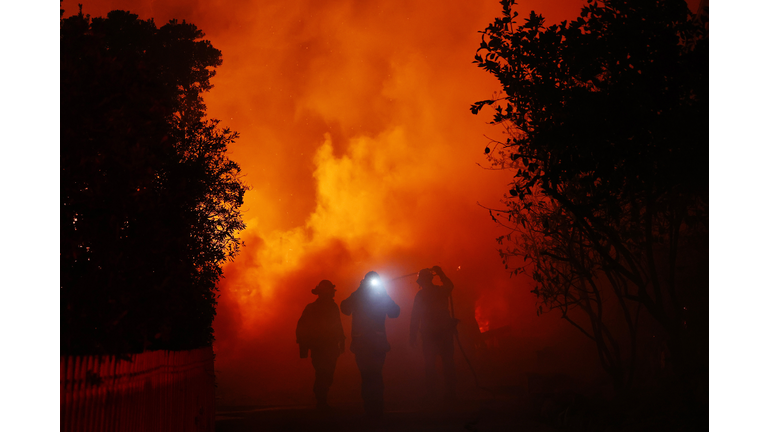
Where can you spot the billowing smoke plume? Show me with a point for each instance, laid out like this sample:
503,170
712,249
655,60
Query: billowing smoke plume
358,143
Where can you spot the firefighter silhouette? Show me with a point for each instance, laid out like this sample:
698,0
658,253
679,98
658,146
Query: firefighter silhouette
369,306
319,332
430,317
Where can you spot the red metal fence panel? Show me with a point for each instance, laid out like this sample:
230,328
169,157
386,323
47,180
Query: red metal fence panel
151,392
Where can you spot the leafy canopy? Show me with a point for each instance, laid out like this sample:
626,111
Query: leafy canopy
149,199
607,140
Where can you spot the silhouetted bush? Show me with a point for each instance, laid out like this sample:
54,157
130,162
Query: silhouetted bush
149,200
607,124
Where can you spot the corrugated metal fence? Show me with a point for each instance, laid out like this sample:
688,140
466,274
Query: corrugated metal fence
154,391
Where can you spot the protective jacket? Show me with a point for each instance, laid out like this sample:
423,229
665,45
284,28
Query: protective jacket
369,308
320,326
430,313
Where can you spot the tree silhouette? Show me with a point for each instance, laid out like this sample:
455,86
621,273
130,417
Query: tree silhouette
149,200
607,124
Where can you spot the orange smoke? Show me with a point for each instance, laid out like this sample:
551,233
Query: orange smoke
361,151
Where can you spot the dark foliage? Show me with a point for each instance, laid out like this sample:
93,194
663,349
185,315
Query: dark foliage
607,118
149,200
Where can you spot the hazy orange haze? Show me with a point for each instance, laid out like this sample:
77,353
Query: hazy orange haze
361,153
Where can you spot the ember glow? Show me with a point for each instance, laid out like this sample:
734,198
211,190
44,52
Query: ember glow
358,143
482,321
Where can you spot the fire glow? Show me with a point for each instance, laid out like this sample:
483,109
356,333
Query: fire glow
482,321
361,152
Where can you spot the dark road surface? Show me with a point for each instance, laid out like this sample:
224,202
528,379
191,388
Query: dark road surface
477,416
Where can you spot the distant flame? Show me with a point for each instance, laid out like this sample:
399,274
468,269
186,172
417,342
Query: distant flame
482,321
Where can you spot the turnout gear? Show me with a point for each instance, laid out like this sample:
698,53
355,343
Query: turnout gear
431,318
369,307
319,332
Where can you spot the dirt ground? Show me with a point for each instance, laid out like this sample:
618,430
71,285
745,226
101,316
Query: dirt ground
479,415
520,413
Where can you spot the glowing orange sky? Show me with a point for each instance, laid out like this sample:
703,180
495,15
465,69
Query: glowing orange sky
358,143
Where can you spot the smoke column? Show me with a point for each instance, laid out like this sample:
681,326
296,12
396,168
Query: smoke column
362,154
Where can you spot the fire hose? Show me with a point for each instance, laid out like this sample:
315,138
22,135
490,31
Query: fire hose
463,353
456,335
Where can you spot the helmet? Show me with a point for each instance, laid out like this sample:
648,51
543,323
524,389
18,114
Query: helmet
425,275
371,279
324,286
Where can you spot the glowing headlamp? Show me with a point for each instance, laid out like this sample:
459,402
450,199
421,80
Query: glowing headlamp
377,285
373,282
